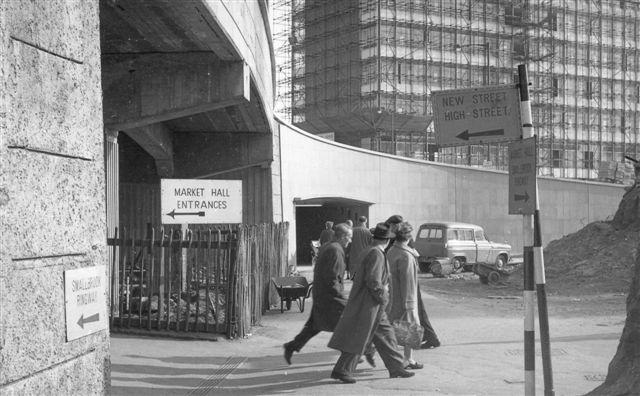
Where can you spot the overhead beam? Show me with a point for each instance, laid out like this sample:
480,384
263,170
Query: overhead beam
147,89
157,140
168,23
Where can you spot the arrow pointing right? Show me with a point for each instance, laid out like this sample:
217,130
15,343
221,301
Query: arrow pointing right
522,197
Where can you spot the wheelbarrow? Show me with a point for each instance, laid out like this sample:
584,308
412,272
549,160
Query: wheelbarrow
490,274
292,288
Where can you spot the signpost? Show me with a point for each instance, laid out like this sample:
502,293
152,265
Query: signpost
503,114
522,176
477,115
201,201
85,301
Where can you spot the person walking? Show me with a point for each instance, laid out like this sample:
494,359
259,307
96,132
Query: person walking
364,319
361,241
429,337
403,268
328,291
327,234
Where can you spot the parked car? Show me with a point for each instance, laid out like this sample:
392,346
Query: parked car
461,244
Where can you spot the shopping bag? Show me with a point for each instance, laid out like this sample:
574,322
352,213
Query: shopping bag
408,334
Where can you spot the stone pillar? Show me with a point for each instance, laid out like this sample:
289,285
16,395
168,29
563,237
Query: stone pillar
52,198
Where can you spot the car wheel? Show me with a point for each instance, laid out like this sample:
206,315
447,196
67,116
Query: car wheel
501,261
493,278
457,264
424,267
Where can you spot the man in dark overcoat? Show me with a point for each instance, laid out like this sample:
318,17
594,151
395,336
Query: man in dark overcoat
328,290
364,319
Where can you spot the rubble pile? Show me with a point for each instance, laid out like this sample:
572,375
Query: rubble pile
598,258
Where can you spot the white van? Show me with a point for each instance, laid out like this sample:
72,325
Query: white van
462,244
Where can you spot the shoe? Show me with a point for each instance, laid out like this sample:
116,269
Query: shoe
414,366
288,352
371,359
347,379
429,345
402,374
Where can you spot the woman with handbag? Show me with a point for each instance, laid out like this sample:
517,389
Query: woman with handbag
403,305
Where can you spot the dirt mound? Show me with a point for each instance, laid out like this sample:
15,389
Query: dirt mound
597,259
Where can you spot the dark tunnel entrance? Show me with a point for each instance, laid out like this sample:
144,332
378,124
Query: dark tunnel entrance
311,215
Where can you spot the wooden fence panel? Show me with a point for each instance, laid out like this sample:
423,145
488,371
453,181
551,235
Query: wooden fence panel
195,280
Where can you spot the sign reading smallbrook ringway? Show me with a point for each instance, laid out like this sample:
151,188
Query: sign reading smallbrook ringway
477,115
201,201
522,176
85,301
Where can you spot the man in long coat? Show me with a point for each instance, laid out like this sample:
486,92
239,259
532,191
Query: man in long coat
328,290
364,318
360,243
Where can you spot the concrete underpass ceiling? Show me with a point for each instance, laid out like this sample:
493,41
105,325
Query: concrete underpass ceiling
148,37
330,201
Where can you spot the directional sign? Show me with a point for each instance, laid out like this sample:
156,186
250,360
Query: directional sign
201,201
477,115
85,301
522,176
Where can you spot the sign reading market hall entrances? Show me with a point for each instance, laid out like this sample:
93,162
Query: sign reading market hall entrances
201,201
85,301
477,115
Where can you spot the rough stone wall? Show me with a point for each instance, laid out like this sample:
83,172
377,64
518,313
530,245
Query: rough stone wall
52,203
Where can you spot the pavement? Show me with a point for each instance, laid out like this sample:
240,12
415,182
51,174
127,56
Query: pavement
481,354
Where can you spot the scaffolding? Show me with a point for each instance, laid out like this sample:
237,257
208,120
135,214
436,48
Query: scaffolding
364,71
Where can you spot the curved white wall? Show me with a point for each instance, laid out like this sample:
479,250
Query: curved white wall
424,191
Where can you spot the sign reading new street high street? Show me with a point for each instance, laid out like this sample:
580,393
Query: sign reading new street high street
85,301
477,115
522,176
201,201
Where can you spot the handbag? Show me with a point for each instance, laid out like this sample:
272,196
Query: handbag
408,333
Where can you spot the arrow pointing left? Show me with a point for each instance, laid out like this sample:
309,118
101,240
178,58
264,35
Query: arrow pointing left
465,135
173,214
93,318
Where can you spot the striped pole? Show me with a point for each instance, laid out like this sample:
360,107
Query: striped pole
543,316
527,226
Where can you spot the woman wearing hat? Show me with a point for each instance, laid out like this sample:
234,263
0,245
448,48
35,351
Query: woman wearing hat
403,268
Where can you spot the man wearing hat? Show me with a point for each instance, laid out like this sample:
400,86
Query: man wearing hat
364,318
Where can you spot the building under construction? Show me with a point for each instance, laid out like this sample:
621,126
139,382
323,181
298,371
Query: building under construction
363,71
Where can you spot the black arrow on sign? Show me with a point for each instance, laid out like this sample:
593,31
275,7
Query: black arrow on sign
465,135
521,197
173,214
88,319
